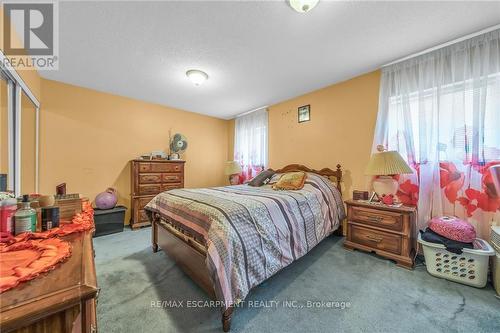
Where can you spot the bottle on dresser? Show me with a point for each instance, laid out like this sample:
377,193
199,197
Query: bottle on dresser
8,207
25,218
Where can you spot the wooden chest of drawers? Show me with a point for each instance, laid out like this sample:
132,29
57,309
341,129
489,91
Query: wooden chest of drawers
387,231
148,179
61,300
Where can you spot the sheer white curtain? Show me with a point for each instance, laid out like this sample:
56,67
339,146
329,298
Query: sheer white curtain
250,143
441,111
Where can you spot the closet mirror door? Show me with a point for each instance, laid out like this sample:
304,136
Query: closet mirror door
28,145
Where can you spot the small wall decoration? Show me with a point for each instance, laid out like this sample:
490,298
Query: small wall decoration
304,113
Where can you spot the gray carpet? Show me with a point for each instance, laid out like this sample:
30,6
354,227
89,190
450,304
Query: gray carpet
382,296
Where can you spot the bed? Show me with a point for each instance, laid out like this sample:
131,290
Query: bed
230,239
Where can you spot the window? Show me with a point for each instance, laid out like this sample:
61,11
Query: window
462,133
441,112
250,144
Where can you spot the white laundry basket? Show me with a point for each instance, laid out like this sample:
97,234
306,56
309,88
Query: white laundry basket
470,267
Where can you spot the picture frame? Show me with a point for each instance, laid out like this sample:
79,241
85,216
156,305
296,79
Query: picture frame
304,113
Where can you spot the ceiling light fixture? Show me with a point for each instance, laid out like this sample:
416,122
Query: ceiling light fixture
303,6
196,76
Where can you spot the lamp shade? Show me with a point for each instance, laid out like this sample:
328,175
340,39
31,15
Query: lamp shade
387,163
232,168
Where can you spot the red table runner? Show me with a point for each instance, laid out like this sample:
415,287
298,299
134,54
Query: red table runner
24,257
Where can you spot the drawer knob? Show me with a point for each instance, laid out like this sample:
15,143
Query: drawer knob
375,219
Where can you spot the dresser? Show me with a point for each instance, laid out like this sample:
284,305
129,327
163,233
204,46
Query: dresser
62,300
148,179
388,231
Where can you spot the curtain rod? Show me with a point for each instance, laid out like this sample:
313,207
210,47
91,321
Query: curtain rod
247,112
457,40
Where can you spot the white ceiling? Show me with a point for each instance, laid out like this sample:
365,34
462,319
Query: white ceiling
256,53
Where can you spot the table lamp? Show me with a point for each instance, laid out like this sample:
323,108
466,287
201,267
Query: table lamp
233,169
385,164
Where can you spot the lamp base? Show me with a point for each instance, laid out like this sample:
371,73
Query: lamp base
385,185
234,179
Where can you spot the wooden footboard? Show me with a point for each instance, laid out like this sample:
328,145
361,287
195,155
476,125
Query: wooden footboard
190,255
186,252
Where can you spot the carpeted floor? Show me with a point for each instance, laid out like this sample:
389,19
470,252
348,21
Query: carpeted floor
381,296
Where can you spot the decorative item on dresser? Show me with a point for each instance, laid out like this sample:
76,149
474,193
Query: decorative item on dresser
148,179
360,195
386,230
384,165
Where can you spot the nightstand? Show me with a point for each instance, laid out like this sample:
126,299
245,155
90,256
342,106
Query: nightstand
387,231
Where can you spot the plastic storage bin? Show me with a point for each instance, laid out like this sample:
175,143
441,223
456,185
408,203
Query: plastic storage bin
109,221
470,267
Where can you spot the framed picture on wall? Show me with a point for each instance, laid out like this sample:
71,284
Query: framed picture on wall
304,113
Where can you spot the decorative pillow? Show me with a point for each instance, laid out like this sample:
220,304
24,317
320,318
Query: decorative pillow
262,178
291,181
453,228
274,179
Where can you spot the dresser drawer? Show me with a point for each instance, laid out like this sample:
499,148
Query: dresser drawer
142,202
150,178
171,177
149,189
144,167
170,186
166,167
376,240
382,219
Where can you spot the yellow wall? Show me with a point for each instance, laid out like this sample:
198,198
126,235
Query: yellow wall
89,137
341,129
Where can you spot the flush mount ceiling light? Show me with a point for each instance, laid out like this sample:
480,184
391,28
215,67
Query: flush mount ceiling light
196,76
303,6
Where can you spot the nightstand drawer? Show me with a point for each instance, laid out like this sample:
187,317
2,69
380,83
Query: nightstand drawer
376,240
382,219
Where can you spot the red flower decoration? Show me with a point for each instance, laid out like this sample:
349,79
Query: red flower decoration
475,199
489,186
451,180
408,193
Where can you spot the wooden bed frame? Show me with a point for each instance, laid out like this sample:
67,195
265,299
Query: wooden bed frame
190,253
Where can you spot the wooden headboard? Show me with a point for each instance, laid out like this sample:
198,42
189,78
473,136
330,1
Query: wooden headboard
327,172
